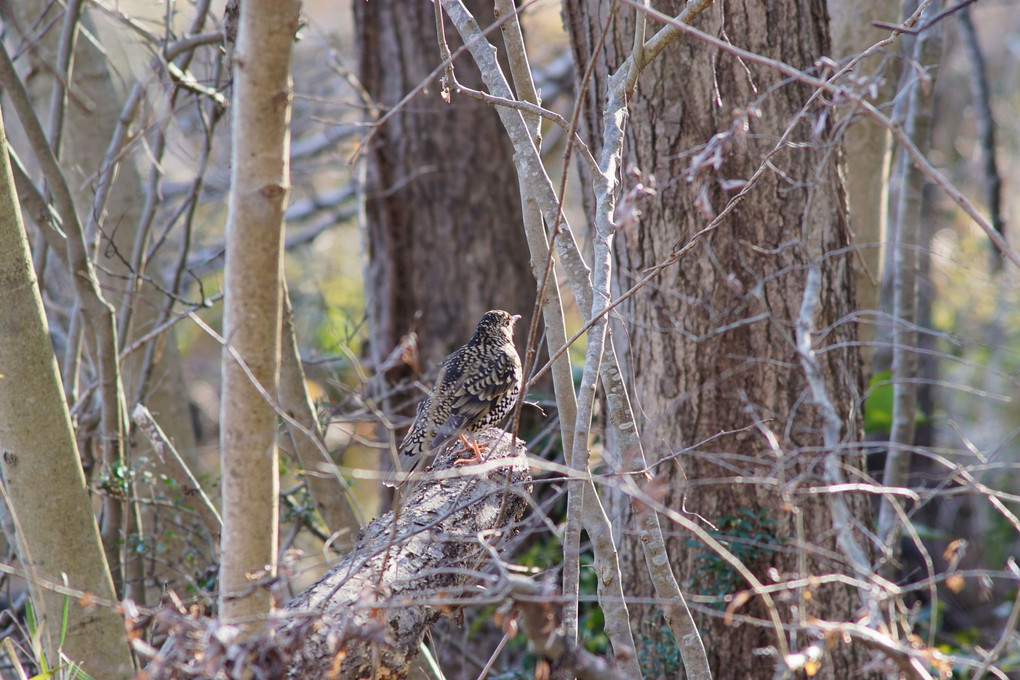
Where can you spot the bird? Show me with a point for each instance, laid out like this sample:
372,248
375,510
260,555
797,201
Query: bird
477,387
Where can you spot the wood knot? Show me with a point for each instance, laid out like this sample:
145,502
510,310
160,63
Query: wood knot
273,192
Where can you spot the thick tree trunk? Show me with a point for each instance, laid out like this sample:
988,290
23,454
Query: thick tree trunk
710,343
443,212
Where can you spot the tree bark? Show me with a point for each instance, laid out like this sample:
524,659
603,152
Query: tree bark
443,210
42,475
377,604
709,343
252,312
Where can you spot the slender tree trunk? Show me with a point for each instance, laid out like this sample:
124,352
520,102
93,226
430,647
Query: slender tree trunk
867,150
260,181
42,474
906,244
86,134
442,205
709,344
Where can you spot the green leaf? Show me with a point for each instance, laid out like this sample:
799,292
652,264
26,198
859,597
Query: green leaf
74,671
35,635
46,674
30,622
64,616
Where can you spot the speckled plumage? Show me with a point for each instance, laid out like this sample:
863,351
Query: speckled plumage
477,387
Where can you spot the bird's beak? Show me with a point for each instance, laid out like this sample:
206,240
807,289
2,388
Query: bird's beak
515,318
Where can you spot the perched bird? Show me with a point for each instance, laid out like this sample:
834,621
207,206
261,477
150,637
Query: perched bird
477,387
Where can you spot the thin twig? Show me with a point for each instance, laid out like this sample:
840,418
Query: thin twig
841,92
1008,630
981,97
536,110
178,470
927,49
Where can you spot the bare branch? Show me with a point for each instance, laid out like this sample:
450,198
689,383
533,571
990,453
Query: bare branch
58,97
178,470
539,623
1007,629
842,518
927,49
981,97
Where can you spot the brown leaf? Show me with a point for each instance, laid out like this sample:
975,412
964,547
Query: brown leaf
955,583
955,552
736,603
542,670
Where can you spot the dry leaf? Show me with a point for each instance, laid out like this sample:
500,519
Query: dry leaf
954,552
736,603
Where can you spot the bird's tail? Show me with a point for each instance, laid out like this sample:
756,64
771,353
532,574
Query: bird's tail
413,443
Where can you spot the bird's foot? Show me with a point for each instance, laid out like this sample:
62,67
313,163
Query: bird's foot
470,447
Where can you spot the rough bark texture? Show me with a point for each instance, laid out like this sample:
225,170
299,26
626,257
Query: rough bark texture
442,204
42,474
710,348
376,605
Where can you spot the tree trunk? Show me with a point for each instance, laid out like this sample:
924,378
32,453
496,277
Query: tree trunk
44,483
709,343
867,150
92,114
253,307
443,212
